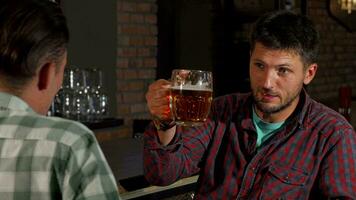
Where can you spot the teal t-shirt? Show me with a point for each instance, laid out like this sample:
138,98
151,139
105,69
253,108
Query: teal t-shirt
264,129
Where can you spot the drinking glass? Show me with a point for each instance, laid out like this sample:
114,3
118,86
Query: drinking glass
98,99
191,96
81,96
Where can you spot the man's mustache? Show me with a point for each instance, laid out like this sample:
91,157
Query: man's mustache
266,91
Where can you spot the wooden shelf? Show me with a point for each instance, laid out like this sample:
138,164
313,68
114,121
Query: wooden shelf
105,123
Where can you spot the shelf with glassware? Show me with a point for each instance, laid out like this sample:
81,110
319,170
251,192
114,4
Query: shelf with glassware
83,99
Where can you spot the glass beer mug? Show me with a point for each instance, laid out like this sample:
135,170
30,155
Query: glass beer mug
191,96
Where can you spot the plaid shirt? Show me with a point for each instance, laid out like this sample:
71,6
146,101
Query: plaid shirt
312,157
49,158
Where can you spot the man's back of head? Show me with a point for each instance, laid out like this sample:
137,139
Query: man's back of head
32,32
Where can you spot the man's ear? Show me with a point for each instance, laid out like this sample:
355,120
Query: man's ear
310,73
45,75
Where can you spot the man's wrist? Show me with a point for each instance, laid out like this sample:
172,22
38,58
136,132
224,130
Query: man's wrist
163,125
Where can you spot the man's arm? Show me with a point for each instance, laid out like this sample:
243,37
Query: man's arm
338,169
166,163
170,152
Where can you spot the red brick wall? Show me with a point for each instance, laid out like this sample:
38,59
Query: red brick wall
136,59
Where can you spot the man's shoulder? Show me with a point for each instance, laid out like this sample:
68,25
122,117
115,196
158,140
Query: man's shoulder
37,127
326,117
237,97
232,101
318,108
66,125
67,131
227,106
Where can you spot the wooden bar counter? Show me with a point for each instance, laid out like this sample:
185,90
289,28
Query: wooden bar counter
125,159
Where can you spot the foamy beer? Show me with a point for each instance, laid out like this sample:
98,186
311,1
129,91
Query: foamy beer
191,96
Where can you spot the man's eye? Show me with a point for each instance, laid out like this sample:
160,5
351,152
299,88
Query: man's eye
282,70
259,65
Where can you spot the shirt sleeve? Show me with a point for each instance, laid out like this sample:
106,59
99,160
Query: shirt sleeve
88,175
338,169
164,165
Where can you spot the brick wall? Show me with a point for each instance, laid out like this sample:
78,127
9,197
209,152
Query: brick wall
136,56
337,60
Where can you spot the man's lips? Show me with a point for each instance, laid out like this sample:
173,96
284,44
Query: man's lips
267,97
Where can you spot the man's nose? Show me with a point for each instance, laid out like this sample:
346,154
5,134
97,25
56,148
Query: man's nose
268,79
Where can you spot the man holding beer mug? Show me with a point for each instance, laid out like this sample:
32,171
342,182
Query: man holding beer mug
273,143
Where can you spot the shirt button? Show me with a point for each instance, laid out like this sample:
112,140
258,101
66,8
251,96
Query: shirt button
287,179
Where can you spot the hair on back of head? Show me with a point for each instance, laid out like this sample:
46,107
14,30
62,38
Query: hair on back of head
33,32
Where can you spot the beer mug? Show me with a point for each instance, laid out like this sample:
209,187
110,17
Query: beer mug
191,96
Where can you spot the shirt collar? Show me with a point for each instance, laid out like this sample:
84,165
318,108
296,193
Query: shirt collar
301,111
247,121
11,102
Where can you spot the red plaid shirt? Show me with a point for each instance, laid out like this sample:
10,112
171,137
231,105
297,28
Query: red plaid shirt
312,157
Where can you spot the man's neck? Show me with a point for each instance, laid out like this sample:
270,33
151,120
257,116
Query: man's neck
31,96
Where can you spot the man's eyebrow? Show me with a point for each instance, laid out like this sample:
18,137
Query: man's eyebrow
287,65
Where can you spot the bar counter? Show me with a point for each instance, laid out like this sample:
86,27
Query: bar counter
125,159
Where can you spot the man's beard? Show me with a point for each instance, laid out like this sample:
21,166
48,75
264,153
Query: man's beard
274,109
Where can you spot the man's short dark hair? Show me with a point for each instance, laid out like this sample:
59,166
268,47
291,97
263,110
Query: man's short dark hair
285,30
32,32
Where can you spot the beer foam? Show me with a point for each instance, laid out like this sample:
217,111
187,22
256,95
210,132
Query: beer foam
191,87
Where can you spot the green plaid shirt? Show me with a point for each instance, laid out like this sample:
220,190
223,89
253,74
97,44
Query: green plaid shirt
49,157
